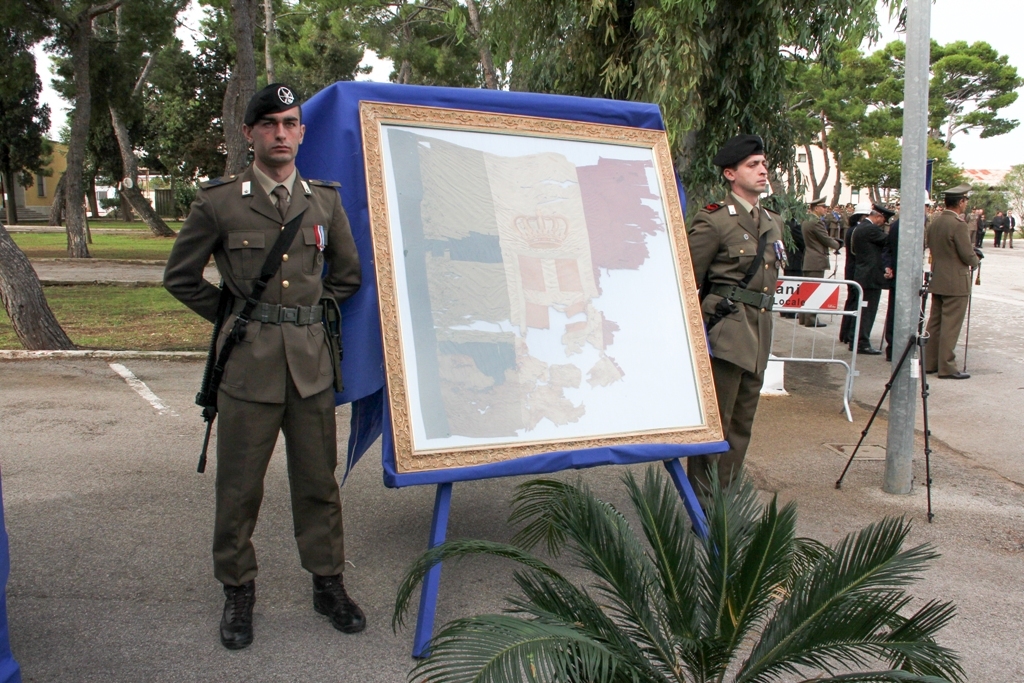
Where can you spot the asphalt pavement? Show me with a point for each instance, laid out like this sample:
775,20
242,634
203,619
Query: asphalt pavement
110,526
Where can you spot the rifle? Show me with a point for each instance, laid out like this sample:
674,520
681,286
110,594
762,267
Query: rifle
207,396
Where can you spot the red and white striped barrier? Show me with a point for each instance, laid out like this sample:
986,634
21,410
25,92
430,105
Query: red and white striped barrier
813,296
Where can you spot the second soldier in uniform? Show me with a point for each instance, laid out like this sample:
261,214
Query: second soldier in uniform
817,243
734,248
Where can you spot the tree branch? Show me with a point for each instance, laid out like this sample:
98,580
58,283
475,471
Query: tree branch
97,10
144,76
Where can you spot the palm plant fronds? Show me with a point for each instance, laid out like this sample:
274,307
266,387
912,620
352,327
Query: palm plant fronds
666,606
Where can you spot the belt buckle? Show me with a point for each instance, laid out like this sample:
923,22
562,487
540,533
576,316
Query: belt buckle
767,300
289,315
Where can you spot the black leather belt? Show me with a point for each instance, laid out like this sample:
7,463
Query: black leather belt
275,314
745,296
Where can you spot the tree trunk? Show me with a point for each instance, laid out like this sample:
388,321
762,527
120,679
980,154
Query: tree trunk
125,208
12,199
810,172
57,208
241,87
23,298
74,207
268,41
837,189
486,60
825,154
776,182
130,185
90,197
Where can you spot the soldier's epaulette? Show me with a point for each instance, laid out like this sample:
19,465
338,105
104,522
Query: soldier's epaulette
713,207
214,182
323,183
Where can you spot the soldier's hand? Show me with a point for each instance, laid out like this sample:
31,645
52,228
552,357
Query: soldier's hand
979,253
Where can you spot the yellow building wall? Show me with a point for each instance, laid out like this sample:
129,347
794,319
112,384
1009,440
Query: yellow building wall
58,164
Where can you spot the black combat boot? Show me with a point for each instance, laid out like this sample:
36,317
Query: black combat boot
330,598
236,624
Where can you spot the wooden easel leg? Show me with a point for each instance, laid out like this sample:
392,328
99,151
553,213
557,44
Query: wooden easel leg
432,581
682,482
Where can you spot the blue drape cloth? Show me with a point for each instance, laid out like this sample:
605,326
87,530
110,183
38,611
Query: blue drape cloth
333,150
10,672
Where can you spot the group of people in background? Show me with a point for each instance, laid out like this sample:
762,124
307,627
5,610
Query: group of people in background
1003,226
954,242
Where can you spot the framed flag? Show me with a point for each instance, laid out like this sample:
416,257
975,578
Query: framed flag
535,288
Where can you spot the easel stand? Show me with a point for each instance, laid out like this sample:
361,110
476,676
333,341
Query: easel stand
439,529
918,340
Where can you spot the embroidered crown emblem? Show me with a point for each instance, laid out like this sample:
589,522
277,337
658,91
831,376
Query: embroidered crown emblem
541,231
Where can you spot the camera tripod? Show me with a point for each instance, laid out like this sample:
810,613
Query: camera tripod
918,340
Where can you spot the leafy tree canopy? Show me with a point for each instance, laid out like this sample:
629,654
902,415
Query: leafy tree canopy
716,69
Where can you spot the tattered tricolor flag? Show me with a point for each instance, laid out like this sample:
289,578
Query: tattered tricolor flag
321,236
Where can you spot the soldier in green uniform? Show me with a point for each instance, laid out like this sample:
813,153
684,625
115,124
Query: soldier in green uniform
280,375
817,242
953,257
734,248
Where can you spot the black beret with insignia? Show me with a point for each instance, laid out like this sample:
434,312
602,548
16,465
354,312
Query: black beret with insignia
737,149
274,98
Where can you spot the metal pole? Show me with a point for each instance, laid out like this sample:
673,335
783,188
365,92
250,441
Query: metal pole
902,401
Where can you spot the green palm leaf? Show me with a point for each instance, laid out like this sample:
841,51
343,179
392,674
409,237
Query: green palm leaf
673,609
602,542
453,550
839,614
500,649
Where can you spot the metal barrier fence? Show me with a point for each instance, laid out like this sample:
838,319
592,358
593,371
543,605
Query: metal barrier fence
819,296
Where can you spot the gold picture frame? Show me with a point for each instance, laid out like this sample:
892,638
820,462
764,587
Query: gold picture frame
493,234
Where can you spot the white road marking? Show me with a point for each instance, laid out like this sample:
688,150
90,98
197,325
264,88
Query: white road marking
141,389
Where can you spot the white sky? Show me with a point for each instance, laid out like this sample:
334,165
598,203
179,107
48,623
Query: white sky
994,21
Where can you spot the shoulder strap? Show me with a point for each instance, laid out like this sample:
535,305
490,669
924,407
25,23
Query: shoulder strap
762,242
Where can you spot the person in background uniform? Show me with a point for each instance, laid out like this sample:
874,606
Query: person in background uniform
817,243
871,271
1012,227
953,257
735,248
999,227
846,327
832,218
281,373
980,225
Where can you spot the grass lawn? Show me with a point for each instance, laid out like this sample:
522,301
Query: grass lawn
143,246
121,318
120,225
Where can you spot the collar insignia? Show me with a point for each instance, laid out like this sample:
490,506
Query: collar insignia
247,189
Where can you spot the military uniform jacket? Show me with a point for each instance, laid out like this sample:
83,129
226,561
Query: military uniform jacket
867,245
723,243
952,255
235,221
816,245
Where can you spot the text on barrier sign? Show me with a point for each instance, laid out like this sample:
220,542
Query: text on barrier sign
812,296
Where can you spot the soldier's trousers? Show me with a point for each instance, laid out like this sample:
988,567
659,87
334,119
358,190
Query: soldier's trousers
810,319
738,392
246,435
944,323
